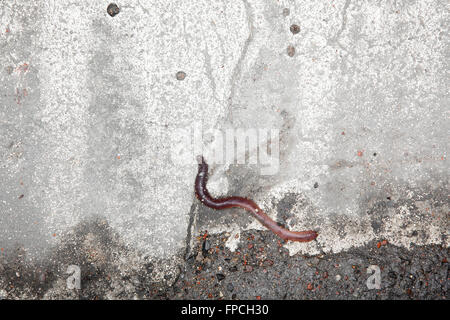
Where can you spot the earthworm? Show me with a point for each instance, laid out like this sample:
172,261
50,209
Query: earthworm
223,203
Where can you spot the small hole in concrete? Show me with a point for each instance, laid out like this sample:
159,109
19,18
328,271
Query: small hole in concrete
180,75
294,29
290,51
112,9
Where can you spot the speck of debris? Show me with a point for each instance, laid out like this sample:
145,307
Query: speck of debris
286,12
180,75
220,276
294,29
316,185
112,9
290,51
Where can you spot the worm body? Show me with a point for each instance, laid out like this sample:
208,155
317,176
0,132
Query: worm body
223,203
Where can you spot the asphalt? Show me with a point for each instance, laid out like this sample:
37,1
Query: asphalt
104,107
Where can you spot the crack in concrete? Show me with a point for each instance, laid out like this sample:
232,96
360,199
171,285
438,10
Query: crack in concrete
238,66
344,19
192,215
335,39
209,71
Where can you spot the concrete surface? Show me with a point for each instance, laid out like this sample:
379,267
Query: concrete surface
97,127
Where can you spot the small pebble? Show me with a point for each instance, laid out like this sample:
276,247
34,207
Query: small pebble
220,276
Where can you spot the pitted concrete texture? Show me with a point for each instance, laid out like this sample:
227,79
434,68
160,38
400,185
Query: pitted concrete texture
88,102
362,109
91,107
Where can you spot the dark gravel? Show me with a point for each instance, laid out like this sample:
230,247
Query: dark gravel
262,269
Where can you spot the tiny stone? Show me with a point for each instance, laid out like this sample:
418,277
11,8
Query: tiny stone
199,257
206,246
220,276
286,12
230,287
316,185
338,277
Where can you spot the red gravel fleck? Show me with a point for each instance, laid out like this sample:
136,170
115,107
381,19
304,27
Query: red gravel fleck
258,297
250,246
309,286
360,153
379,245
325,275
444,260
384,242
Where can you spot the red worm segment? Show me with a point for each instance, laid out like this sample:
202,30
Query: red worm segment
223,203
